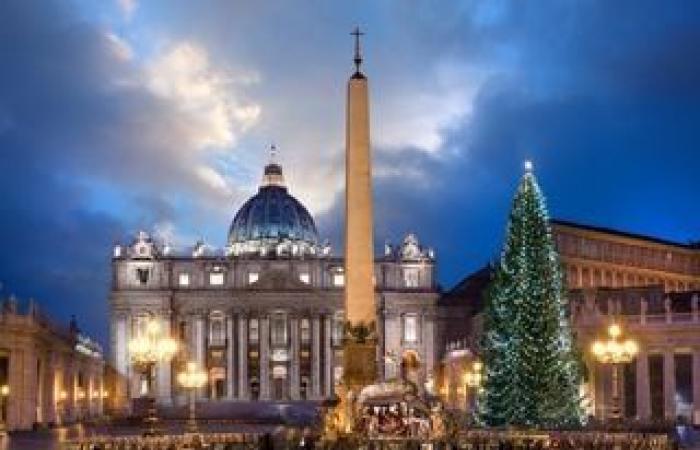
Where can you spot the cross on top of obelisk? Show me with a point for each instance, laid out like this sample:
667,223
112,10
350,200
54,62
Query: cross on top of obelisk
358,55
273,153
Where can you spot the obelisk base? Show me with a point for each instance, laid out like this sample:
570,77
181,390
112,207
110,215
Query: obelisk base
360,370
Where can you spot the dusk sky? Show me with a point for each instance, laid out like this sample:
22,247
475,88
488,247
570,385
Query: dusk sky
123,115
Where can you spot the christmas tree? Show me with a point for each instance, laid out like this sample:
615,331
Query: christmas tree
532,371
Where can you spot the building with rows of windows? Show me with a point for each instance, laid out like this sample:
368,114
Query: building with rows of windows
647,285
264,315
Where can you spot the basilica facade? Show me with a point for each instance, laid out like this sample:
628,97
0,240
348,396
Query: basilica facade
264,316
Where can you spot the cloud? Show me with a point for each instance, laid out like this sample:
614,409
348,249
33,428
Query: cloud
214,116
99,142
128,7
121,48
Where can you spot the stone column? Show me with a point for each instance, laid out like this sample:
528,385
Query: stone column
264,358
429,343
229,357
315,357
199,337
643,388
29,402
599,398
50,383
101,384
163,371
294,359
327,356
242,357
696,386
669,385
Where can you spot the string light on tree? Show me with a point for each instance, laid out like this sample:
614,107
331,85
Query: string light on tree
533,373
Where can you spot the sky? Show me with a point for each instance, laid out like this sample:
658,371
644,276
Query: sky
122,115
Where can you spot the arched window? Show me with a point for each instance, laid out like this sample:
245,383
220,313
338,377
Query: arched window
410,328
217,330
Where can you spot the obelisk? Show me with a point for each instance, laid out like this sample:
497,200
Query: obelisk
359,254
359,351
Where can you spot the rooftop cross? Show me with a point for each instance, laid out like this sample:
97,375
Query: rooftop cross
358,56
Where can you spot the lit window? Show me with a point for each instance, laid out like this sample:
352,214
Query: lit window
252,277
410,278
410,328
184,279
305,331
337,332
338,279
253,332
216,278
304,278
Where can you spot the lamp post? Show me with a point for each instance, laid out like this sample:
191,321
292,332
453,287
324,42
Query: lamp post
192,379
472,380
4,394
146,351
615,351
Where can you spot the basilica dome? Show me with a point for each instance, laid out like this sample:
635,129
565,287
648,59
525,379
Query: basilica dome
272,221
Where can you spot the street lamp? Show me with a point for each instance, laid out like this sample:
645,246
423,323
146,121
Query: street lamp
192,379
473,379
146,351
615,352
4,394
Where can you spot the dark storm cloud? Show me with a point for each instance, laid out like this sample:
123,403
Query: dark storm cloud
602,96
56,109
54,249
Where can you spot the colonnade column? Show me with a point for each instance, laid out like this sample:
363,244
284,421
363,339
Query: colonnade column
264,358
429,341
120,395
199,350
642,387
328,356
242,357
598,382
294,360
315,357
696,387
229,356
669,385
164,368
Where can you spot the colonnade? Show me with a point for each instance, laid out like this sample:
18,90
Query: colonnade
254,361
296,360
